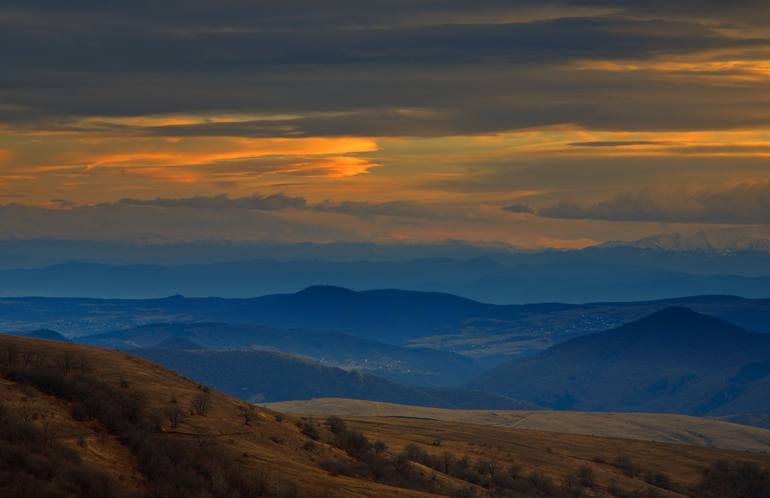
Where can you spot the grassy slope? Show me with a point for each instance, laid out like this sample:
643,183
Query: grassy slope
669,428
554,455
274,444
269,445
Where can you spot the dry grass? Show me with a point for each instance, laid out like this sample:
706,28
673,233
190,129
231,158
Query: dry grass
553,454
272,444
669,428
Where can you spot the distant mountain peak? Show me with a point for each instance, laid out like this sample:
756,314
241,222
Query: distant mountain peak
720,241
678,313
680,322
326,290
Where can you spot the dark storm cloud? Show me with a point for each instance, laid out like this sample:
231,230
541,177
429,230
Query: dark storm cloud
539,41
363,61
519,208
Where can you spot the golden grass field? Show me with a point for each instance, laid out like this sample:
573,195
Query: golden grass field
667,428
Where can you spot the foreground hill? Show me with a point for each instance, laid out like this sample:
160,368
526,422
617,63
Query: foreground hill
674,360
667,428
269,376
79,421
410,365
117,425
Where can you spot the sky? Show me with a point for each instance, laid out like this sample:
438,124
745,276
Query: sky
531,123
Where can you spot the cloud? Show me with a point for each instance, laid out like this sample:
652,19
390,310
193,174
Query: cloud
402,209
354,69
153,224
519,208
280,202
273,202
747,203
614,143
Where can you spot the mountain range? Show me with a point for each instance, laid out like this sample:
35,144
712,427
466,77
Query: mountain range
552,278
725,261
486,332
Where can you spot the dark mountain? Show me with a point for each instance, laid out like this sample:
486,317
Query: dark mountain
418,366
674,360
268,376
391,315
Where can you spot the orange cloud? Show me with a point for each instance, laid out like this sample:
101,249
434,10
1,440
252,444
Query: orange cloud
200,151
750,67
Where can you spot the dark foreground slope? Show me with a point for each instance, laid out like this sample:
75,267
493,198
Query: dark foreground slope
674,360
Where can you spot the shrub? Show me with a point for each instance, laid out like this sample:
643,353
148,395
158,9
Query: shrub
200,404
309,429
726,479
626,465
336,425
585,476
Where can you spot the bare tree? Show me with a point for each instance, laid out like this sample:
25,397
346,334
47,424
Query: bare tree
27,412
49,429
67,362
487,467
175,416
12,355
200,404
447,462
84,365
248,413
34,359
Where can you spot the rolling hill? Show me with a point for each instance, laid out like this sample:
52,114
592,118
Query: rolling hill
667,428
486,332
81,421
257,375
418,366
675,360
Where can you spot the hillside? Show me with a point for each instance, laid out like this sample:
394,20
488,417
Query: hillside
130,425
666,428
108,424
417,366
270,376
674,360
